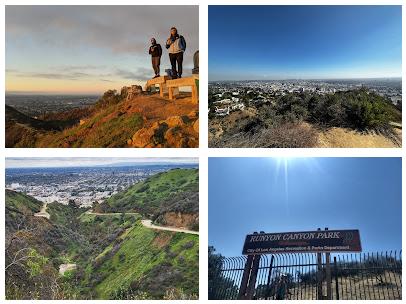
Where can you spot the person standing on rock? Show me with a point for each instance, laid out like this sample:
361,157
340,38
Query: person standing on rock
176,46
155,51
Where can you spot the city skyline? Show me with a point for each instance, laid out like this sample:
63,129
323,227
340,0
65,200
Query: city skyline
61,162
90,49
304,42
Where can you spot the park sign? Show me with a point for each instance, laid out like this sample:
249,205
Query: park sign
307,241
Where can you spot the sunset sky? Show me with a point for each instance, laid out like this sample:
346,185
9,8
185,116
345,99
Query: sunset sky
90,49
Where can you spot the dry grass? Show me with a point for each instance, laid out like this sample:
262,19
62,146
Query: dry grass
346,138
384,287
113,126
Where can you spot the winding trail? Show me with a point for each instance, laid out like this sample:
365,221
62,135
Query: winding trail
43,212
116,213
148,224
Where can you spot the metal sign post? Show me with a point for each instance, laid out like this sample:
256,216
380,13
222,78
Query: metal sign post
245,278
319,275
328,275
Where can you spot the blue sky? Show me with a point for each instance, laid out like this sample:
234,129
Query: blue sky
302,194
280,42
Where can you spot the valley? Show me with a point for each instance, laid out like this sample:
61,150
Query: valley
121,248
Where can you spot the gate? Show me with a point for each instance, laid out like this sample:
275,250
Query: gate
363,276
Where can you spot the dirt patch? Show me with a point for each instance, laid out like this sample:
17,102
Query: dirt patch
180,220
162,239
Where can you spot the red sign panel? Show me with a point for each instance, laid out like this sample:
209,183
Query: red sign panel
306,241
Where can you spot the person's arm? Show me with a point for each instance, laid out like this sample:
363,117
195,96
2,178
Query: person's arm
183,42
150,51
168,43
159,50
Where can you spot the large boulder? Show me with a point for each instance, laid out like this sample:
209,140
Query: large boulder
129,93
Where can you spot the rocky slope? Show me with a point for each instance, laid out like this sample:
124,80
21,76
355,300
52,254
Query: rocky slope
117,120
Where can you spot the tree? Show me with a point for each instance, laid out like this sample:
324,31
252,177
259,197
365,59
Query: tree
218,284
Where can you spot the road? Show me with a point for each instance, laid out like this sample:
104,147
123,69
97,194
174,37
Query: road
148,224
43,212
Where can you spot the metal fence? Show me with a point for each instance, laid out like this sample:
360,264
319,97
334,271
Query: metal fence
364,276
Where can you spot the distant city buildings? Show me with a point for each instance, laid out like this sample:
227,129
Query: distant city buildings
225,97
82,186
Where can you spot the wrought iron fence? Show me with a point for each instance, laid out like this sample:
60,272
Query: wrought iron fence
364,276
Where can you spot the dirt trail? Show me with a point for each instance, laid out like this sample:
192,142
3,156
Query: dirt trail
148,224
119,213
43,212
66,267
344,138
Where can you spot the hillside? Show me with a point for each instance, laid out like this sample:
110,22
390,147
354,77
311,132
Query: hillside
114,255
352,119
170,198
144,120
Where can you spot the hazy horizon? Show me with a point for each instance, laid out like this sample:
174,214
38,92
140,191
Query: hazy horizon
90,49
66,162
314,79
304,42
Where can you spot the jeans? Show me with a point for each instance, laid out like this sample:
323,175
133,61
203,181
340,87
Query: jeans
156,61
176,58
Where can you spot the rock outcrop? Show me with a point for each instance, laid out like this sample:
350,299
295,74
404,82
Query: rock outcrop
175,132
130,92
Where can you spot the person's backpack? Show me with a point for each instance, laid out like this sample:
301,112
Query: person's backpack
182,43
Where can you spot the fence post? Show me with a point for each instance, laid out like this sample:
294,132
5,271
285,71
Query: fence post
253,277
319,276
245,277
328,275
268,283
336,278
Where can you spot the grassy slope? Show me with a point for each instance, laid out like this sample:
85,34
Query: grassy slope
144,250
22,203
109,127
148,195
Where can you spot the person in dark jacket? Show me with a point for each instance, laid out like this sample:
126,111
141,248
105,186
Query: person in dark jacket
155,51
176,46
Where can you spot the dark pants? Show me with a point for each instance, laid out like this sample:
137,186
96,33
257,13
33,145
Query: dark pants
176,58
156,61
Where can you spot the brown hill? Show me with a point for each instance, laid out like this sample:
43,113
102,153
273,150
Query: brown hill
145,120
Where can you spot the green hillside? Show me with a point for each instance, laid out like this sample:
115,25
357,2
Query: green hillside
149,196
21,203
146,263
116,257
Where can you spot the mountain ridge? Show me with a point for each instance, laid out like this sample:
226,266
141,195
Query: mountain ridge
116,120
